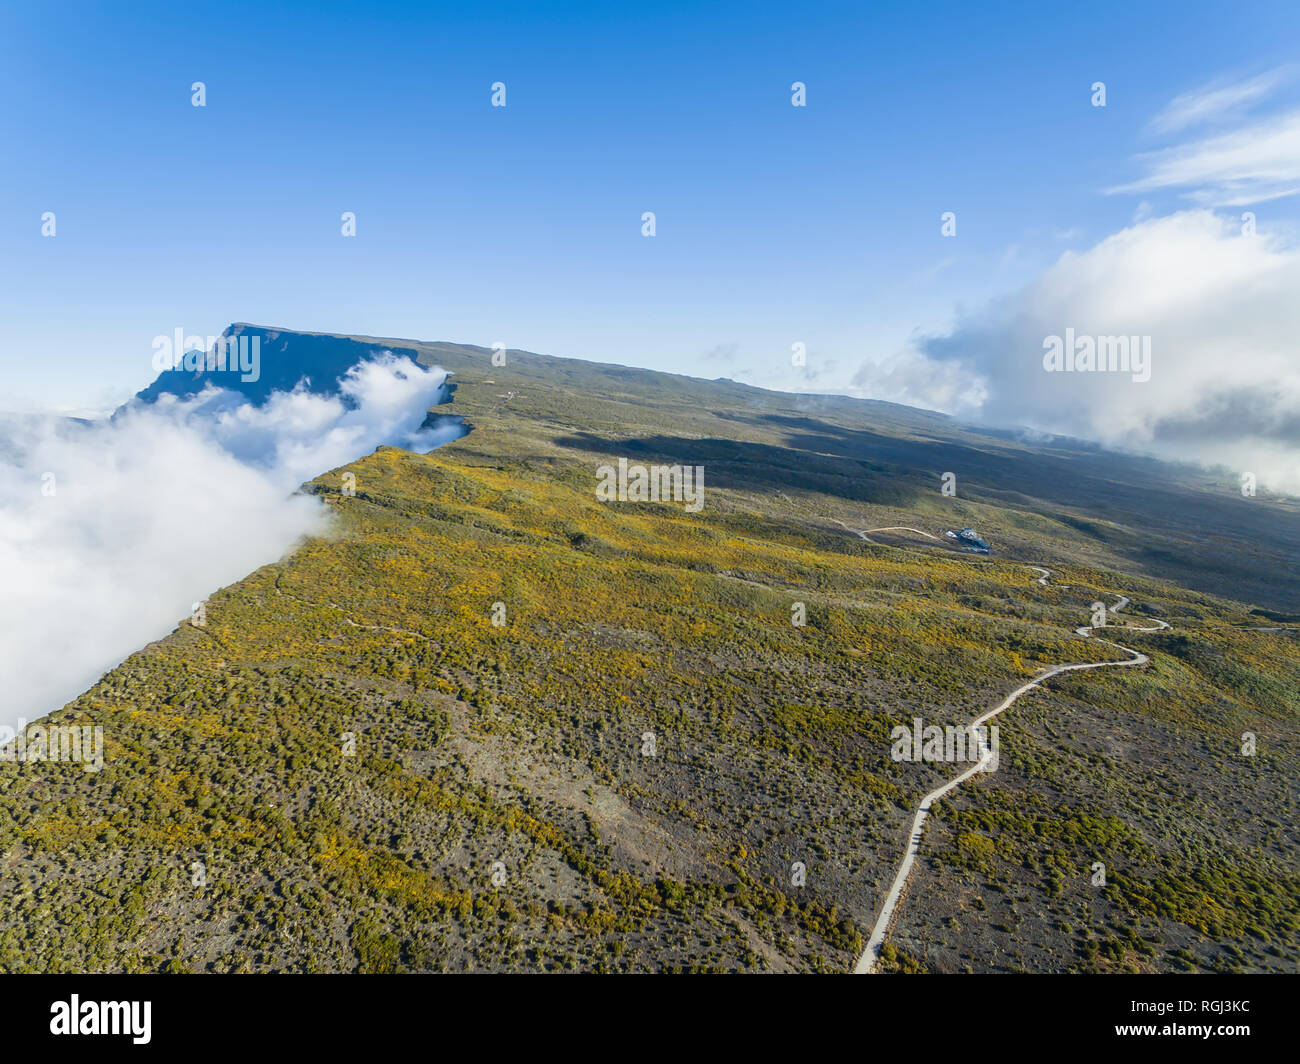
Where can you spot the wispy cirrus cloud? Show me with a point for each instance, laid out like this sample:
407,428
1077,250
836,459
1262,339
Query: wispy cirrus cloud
1256,160
1217,101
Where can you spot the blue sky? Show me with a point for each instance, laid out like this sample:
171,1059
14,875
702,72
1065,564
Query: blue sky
522,224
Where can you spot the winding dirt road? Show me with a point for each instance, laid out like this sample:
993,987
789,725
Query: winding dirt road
888,528
871,955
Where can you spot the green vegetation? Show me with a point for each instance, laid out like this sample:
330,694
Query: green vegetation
351,767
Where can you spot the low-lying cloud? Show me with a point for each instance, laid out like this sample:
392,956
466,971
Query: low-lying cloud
1219,306
111,530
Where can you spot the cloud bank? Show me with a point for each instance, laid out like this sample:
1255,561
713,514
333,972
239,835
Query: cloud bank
111,530
1221,311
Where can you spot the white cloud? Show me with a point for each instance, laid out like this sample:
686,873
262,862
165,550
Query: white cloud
1216,101
1223,317
162,505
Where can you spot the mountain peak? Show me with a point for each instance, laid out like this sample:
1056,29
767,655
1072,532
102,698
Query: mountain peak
256,360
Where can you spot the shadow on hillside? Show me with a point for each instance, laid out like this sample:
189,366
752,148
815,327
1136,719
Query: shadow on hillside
1168,526
760,467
